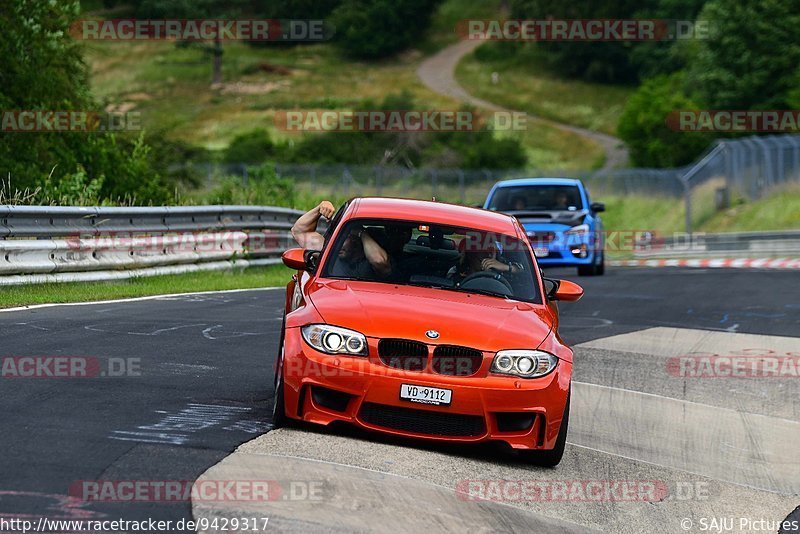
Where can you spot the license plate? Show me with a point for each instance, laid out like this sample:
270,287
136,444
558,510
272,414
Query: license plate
541,252
425,394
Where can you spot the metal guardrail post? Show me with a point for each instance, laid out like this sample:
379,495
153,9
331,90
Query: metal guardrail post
795,142
686,179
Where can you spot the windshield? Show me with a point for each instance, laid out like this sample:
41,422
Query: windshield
537,198
422,254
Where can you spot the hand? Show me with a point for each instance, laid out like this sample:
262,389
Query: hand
491,263
326,209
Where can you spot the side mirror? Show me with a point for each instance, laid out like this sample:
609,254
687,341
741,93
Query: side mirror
564,290
294,258
597,207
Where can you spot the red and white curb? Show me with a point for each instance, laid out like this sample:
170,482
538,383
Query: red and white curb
719,263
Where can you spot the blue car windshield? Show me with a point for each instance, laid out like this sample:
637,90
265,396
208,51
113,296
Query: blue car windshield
537,198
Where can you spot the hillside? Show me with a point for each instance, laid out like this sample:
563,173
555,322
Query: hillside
170,86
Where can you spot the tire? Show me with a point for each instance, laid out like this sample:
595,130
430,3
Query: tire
595,268
552,457
279,418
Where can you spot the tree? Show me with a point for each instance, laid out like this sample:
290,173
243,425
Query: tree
372,29
196,9
651,58
595,61
43,70
643,125
751,59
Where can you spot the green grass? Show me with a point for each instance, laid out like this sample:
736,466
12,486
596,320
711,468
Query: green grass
252,277
638,213
780,210
525,85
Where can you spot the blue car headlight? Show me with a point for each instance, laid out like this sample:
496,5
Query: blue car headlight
582,230
578,239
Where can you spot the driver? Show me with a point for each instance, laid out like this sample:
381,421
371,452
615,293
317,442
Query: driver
474,259
561,200
519,203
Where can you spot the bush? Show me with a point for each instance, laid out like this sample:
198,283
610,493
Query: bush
471,149
264,187
372,29
475,150
75,189
643,127
251,148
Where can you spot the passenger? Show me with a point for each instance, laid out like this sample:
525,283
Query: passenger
519,204
304,230
403,266
360,256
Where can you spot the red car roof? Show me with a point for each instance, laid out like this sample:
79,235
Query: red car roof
432,212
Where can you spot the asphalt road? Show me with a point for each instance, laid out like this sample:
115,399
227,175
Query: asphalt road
202,385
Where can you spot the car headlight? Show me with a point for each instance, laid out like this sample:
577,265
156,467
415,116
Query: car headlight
524,363
581,229
335,340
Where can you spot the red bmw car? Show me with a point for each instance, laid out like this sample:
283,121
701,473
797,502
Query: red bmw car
426,320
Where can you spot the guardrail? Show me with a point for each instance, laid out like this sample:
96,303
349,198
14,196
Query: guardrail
56,244
726,245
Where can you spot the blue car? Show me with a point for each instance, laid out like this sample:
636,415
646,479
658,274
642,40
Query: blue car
562,223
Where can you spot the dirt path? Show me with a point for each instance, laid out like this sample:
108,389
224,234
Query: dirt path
438,73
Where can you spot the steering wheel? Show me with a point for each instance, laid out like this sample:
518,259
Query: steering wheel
486,274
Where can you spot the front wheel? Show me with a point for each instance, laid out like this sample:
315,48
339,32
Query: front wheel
552,457
596,268
279,418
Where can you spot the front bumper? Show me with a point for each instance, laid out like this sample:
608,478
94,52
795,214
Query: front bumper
561,253
321,389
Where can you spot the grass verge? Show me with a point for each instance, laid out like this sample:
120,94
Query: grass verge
779,210
252,277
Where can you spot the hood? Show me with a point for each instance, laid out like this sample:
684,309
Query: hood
558,219
407,312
